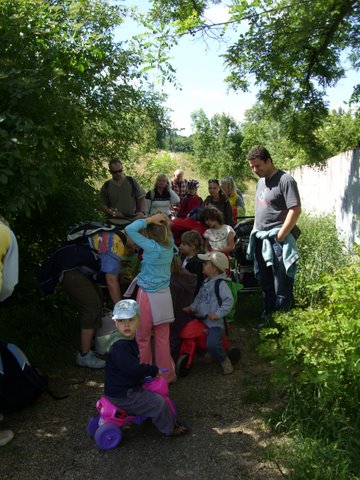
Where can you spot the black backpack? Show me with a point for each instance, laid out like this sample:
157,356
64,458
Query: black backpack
20,383
74,253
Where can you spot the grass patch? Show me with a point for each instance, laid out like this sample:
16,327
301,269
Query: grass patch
311,459
256,394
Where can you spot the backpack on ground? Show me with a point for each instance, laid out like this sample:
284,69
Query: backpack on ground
234,288
20,383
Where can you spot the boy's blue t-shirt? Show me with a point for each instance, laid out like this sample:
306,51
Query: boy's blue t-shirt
123,369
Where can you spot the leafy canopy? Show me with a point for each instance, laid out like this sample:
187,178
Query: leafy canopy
70,98
293,50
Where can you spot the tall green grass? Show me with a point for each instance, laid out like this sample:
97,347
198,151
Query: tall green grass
315,350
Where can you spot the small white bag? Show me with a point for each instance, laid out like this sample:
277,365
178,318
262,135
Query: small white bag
107,334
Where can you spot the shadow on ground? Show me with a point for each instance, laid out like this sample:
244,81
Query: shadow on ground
227,440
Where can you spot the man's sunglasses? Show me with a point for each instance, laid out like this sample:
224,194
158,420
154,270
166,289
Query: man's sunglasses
113,172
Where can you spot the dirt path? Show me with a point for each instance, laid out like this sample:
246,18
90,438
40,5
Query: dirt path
227,439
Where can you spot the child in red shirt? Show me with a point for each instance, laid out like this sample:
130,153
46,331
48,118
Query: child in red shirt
191,199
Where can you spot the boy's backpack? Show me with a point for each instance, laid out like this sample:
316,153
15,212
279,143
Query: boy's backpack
20,383
234,287
80,231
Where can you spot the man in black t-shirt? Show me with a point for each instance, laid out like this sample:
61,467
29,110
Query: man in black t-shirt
277,209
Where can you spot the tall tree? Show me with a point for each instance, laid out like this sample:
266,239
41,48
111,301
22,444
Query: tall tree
339,132
70,97
217,145
292,49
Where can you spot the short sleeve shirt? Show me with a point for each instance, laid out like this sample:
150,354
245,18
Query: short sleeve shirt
218,237
110,249
274,198
121,196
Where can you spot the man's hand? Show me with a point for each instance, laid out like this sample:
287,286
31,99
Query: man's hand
187,309
289,223
113,212
213,316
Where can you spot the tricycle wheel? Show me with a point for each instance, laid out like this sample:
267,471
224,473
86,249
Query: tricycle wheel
181,369
92,425
108,436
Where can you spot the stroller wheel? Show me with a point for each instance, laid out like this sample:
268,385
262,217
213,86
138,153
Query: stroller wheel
181,369
234,355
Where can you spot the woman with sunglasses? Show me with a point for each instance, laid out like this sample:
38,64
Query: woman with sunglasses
218,199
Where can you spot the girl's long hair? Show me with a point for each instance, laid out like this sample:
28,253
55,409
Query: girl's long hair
164,176
227,184
160,233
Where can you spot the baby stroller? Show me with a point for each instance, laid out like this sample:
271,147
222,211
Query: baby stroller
243,269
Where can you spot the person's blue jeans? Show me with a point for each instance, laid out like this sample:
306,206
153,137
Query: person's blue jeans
276,285
214,343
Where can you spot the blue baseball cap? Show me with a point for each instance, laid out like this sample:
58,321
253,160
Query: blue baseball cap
125,309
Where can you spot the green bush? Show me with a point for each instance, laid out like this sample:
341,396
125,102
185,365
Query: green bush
321,251
46,328
317,359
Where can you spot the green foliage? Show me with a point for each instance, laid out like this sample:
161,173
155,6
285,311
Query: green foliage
63,104
71,98
293,79
317,360
162,162
312,458
321,251
338,132
45,328
293,51
217,146
168,139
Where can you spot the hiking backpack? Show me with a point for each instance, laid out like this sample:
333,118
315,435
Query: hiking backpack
75,252
20,383
80,231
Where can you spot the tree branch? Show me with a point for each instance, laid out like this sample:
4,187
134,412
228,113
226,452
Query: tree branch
345,10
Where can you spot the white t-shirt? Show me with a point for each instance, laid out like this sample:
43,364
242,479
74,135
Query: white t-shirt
217,237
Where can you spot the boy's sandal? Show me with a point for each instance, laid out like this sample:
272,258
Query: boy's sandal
180,429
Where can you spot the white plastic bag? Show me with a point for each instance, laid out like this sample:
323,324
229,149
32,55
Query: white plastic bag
107,334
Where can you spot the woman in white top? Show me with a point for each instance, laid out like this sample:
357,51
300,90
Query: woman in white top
161,197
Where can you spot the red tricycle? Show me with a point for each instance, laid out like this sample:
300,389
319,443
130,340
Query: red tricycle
106,426
194,338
